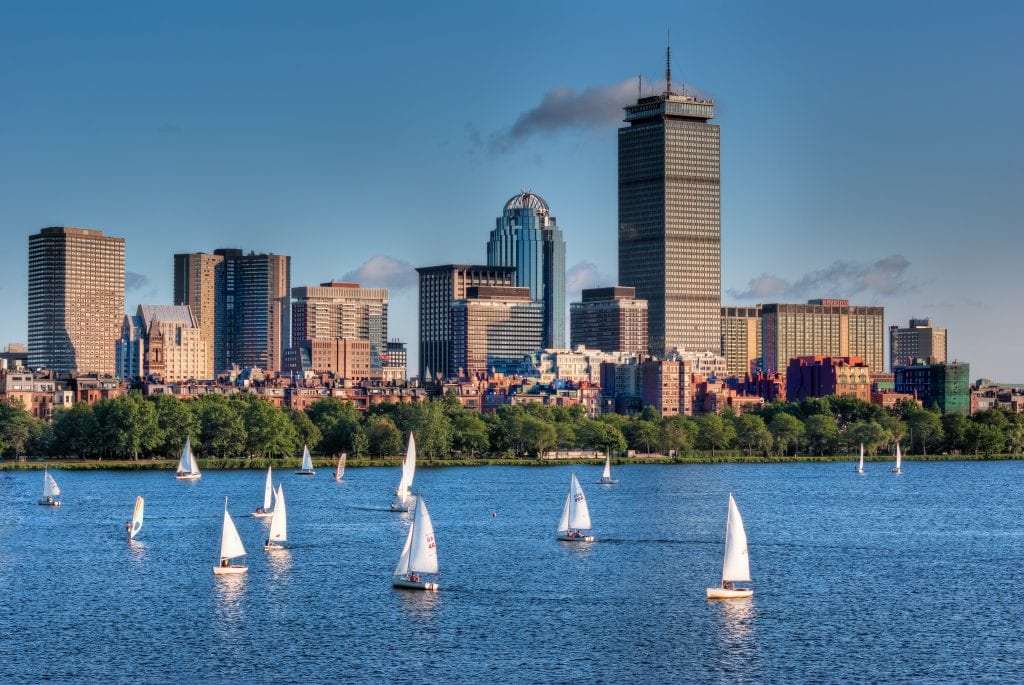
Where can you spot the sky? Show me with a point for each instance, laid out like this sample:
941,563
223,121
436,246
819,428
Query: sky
871,150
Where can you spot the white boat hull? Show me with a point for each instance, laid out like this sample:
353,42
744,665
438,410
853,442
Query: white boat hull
232,570
49,503
565,537
722,593
274,548
398,581
261,514
189,476
399,507
305,473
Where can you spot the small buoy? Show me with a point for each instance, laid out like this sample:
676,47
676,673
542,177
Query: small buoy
494,514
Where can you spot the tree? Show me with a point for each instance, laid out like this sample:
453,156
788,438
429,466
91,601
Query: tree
868,433
822,431
538,435
221,428
16,427
268,432
175,421
955,427
328,411
75,431
642,434
676,435
787,431
714,433
128,425
751,433
469,433
383,438
600,435
925,429
985,438
305,430
341,437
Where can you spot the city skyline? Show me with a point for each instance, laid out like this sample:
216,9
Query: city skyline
812,194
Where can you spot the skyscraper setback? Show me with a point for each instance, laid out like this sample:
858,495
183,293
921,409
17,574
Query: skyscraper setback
669,218
75,299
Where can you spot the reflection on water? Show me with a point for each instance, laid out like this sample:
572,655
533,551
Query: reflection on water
418,605
230,595
137,549
279,560
735,620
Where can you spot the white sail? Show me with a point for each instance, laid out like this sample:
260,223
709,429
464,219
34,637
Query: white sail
137,517
736,564
423,552
563,522
340,470
607,475
403,561
230,543
899,458
268,491
579,514
861,467
50,487
307,460
187,463
408,470
279,523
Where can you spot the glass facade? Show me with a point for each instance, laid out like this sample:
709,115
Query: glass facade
527,237
669,220
493,329
610,320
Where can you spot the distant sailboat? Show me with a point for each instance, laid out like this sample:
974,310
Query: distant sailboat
606,477
860,467
230,547
419,555
898,468
51,491
736,563
574,526
307,463
188,468
135,525
278,524
268,496
408,474
339,471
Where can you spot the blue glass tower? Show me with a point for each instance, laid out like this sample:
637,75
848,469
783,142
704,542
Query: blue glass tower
527,237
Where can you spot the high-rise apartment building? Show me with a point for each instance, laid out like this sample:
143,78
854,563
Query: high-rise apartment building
527,237
396,362
920,340
741,339
610,320
195,285
669,219
342,310
440,286
493,328
75,300
164,341
944,384
824,328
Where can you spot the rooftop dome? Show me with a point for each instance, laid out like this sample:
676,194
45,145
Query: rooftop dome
527,200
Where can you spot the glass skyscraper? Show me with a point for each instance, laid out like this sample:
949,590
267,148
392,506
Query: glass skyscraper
527,237
670,239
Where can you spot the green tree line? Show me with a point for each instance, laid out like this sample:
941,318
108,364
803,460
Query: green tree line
245,426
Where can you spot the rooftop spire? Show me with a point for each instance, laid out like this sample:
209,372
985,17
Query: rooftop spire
668,63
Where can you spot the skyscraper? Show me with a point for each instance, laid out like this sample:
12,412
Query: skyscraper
826,328
195,285
527,237
493,328
610,320
741,339
920,340
252,310
75,300
669,220
342,310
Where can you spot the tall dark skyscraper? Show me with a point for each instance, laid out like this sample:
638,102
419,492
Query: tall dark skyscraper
670,238
527,237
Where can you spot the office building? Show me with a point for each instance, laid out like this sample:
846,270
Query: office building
665,385
195,285
342,310
946,385
493,328
919,340
75,300
396,362
440,287
610,320
816,376
741,340
527,237
822,328
669,218
162,341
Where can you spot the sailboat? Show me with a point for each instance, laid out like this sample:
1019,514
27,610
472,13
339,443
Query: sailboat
574,526
230,547
898,468
135,525
51,491
339,471
278,524
736,563
307,463
188,468
408,473
860,467
419,555
268,495
606,477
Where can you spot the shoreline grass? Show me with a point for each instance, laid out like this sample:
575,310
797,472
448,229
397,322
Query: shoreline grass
328,464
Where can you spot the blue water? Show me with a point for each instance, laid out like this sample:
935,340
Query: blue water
858,579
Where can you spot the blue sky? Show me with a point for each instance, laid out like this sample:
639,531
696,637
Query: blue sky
869,150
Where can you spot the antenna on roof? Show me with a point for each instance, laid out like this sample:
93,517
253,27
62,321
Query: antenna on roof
639,86
668,63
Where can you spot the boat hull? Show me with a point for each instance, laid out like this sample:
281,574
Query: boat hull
53,504
274,548
399,507
188,476
229,570
261,514
606,481
722,593
407,584
565,537
305,473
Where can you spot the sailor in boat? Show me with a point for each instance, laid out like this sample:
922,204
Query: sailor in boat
259,510
728,585
414,577
224,562
128,527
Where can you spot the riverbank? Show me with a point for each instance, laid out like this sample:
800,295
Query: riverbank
328,465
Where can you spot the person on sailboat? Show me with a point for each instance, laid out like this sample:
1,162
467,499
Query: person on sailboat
728,585
414,577
128,527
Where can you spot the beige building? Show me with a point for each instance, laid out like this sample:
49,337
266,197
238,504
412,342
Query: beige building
163,341
75,299
741,339
920,340
347,358
195,285
493,329
824,328
342,310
